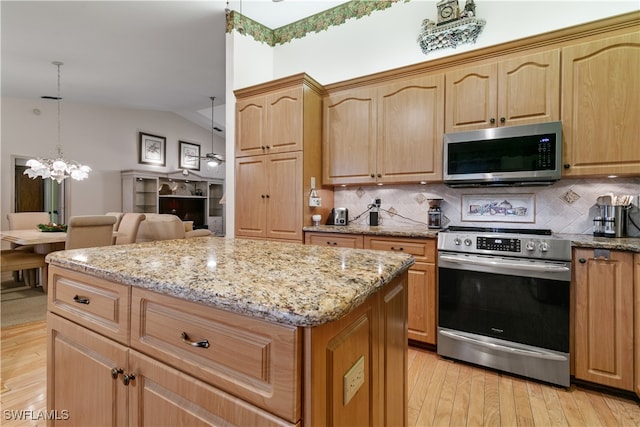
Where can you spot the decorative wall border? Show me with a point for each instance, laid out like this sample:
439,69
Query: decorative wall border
312,24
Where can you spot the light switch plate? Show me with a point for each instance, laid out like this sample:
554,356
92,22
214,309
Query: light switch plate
353,380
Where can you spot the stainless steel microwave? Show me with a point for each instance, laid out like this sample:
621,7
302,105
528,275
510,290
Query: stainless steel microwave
505,156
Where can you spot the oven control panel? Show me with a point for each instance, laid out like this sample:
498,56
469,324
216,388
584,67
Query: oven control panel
498,244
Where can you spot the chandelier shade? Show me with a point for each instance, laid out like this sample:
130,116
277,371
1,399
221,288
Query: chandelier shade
57,169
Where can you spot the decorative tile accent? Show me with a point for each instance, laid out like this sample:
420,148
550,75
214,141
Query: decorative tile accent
392,211
420,198
312,24
570,196
360,192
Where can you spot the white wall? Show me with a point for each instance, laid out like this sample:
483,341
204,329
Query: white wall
104,138
387,39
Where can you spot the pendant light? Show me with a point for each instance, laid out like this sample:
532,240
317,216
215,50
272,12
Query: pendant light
212,158
57,169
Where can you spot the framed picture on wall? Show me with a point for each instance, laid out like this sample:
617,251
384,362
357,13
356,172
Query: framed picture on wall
189,155
152,149
503,208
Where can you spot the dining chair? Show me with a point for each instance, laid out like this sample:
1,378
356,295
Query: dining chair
26,221
88,231
129,227
118,216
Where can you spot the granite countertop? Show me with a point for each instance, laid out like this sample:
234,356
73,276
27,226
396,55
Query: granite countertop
631,244
290,283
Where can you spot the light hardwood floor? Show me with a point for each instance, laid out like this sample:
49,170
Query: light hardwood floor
441,392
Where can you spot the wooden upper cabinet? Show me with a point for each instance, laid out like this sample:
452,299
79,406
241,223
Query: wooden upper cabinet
410,129
601,106
349,131
270,123
511,92
390,133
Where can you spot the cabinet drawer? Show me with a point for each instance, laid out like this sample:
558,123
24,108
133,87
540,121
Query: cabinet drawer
97,304
254,360
421,249
334,239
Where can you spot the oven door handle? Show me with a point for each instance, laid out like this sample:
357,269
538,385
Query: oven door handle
470,259
539,354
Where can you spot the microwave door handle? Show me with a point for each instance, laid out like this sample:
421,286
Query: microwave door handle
516,265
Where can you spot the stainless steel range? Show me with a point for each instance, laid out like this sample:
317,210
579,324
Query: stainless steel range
503,300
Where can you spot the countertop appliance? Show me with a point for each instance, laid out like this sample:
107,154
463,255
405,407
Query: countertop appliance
504,156
503,300
340,216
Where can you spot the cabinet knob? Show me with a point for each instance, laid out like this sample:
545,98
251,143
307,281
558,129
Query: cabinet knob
492,120
582,260
268,196
566,165
263,147
373,176
126,378
502,120
268,147
115,372
262,195
379,175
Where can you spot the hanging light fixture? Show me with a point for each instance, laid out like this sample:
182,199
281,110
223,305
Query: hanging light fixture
212,158
57,169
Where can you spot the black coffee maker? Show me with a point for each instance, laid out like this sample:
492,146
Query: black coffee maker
434,215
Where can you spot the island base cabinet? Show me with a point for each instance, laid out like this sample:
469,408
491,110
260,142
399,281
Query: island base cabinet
363,358
81,390
162,396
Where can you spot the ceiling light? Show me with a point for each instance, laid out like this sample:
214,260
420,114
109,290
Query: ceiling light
57,169
212,158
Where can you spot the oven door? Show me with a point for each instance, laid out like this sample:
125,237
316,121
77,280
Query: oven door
512,299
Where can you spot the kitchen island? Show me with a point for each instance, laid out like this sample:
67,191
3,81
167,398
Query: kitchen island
212,330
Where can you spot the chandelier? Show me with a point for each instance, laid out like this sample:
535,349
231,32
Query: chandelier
57,169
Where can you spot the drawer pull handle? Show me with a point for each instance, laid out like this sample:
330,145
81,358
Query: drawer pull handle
201,343
126,378
115,372
332,243
399,249
81,300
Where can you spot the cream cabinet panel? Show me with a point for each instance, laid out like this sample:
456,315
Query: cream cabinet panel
601,106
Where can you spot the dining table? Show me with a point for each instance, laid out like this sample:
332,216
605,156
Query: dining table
42,241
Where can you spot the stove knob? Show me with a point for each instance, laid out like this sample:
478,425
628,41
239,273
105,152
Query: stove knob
457,241
467,242
531,246
544,246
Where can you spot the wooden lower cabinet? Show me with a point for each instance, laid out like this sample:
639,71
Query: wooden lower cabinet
422,285
80,385
603,333
251,373
636,299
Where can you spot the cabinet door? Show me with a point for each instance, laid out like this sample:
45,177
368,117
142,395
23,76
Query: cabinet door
471,98
284,121
601,106
604,318
284,196
79,376
422,303
163,396
529,89
349,154
410,128
251,193
636,316
250,126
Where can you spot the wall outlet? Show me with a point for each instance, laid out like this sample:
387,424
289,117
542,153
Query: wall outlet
353,380
315,202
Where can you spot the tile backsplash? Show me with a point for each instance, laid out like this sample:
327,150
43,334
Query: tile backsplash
568,206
